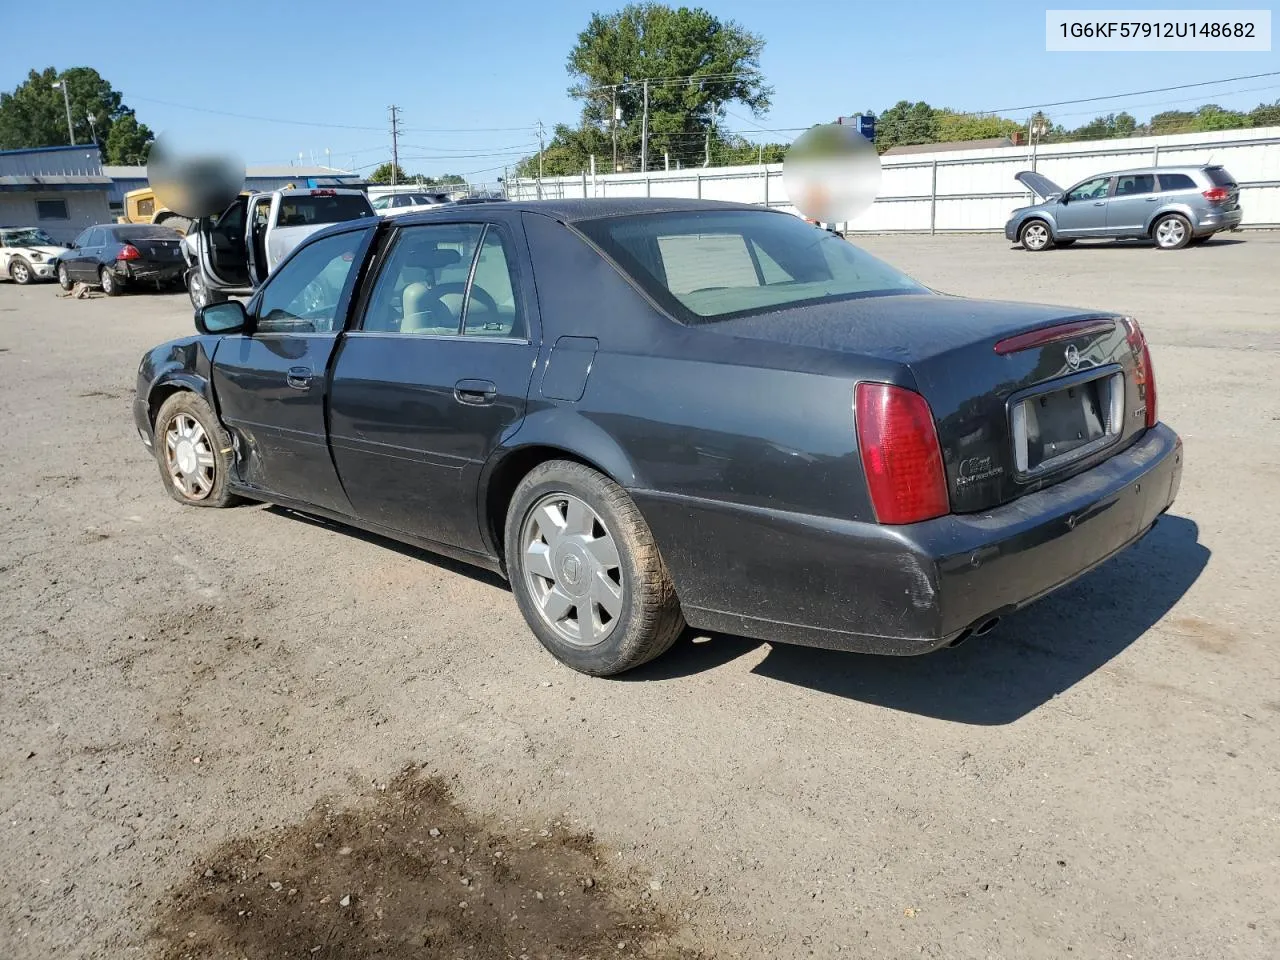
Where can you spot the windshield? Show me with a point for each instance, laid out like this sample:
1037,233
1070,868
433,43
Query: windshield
27,237
306,211
713,265
381,203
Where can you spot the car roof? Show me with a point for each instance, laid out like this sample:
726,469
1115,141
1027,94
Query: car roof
571,211
1182,168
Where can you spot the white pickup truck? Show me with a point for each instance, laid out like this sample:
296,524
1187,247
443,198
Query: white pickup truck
231,255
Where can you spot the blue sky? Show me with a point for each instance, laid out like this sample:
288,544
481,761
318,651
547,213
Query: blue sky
473,80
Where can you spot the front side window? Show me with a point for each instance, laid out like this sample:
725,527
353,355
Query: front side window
1135,183
95,238
710,266
303,296
1095,189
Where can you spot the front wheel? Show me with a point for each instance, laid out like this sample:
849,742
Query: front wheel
1035,236
586,572
194,452
20,270
110,285
1172,232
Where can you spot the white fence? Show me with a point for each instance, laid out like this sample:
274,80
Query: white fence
959,190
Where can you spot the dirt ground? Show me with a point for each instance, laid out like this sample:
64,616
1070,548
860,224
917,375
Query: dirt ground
200,711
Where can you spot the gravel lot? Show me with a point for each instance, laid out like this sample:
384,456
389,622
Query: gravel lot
198,705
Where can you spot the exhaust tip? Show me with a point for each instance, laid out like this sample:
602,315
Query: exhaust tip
986,626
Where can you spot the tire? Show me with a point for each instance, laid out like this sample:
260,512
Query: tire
198,292
610,561
1064,243
1035,236
110,285
64,278
21,271
1171,232
195,475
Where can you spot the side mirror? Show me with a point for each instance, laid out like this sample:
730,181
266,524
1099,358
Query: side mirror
225,317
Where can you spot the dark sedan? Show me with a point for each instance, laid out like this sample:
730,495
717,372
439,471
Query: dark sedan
647,413
119,256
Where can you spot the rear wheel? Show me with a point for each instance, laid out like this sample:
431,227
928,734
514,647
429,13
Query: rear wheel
1035,236
64,278
194,452
586,572
199,292
1171,232
110,285
20,270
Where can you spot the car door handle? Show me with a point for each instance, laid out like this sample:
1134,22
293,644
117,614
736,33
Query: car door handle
1152,199
475,392
299,378
1098,203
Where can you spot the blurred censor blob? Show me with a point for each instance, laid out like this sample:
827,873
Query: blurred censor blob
832,173
192,179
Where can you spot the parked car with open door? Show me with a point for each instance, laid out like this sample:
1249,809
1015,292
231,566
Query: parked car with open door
232,254
1174,206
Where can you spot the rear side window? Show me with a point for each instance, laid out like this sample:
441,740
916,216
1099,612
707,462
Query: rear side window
1219,177
708,266
306,211
492,308
1133,183
1176,181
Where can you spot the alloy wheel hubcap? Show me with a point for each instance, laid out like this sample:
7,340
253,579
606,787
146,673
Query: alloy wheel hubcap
1036,236
188,456
197,292
20,272
1169,233
572,569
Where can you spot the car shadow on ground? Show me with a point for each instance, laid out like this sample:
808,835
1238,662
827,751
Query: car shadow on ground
1027,660
405,549
1104,244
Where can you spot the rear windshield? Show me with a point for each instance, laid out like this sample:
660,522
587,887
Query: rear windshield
145,231
1219,177
304,211
709,266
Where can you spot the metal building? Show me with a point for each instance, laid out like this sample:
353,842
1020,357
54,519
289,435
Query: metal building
62,190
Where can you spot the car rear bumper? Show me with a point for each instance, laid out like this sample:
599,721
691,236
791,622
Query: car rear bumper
858,586
149,271
1219,220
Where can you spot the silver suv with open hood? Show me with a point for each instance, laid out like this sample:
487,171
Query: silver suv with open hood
1173,206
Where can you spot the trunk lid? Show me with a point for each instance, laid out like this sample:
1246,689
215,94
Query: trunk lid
1038,184
1046,407
158,249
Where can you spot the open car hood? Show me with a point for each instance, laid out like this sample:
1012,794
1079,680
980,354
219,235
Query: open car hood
1038,184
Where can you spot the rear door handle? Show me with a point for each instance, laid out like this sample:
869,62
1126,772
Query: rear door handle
299,378
475,392
1099,203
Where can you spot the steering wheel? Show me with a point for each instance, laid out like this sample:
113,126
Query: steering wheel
479,294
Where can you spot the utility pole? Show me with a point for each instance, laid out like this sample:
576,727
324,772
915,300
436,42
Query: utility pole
540,159
644,130
614,124
66,101
395,142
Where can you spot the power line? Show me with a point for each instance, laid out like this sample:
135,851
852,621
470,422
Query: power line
247,116
1134,93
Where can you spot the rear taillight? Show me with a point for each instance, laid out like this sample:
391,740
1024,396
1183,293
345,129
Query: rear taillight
1216,194
128,252
900,454
1144,374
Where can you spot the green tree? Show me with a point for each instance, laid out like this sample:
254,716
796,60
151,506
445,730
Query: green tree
1213,117
34,114
1172,121
383,174
905,124
1265,115
696,63
953,125
129,141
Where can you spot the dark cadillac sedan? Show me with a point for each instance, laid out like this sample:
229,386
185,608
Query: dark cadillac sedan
647,413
